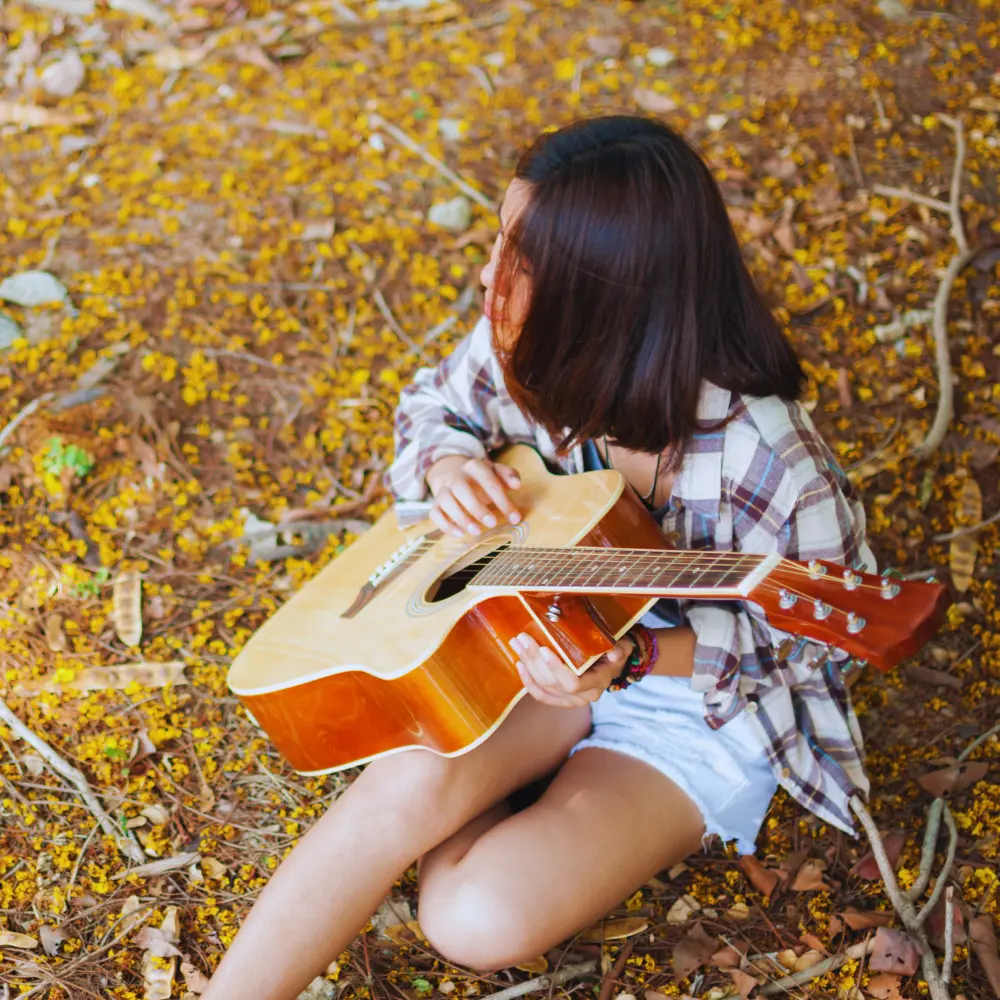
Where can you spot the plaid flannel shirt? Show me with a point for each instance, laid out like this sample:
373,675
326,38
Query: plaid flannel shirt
764,483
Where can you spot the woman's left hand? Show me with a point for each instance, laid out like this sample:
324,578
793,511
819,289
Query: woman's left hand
549,680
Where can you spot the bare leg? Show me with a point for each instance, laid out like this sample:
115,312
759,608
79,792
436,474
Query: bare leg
507,888
398,809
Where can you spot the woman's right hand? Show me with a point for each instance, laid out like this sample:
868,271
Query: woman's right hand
464,490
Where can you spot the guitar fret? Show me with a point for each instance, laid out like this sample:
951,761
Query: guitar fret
583,567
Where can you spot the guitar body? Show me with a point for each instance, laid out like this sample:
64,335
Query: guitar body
357,665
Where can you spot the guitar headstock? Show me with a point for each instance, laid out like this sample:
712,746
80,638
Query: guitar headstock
880,619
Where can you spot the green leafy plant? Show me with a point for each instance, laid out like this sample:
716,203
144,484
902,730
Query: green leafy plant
58,457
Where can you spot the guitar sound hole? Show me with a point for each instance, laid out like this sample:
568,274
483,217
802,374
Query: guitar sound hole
459,577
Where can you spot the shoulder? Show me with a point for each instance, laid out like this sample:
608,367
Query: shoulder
774,450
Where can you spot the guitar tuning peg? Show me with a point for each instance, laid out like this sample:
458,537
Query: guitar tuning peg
786,648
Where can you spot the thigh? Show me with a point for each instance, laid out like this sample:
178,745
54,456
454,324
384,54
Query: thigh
440,794
605,825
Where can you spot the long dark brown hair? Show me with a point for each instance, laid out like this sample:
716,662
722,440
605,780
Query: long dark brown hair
639,291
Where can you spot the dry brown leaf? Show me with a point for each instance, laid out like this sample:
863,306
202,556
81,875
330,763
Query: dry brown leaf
738,911
894,951
935,922
194,980
127,607
615,930
963,550
983,939
54,634
605,46
158,944
863,920
482,235
682,910
784,232
535,966
754,225
810,877
884,986
956,778
171,59
747,986
844,392
156,814
447,11
762,879
983,102
162,866
653,101
213,868
812,942
726,958
51,938
12,113
782,167
825,196
692,951
867,867
128,913
406,933
11,939
807,960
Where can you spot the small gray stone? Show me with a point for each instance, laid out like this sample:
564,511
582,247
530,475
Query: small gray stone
64,76
893,10
455,215
9,331
319,989
451,129
32,288
660,57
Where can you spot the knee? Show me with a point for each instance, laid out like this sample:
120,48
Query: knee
478,925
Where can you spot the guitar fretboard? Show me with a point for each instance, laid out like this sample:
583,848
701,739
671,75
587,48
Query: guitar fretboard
593,570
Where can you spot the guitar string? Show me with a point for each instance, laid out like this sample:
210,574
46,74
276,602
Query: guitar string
767,585
674,558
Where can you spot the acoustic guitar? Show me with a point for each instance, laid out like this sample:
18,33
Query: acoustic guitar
402,640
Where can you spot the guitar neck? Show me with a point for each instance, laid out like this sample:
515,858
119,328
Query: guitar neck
654,573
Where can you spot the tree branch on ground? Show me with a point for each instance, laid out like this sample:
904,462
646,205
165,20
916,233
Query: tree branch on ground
61,766
904,903
963,255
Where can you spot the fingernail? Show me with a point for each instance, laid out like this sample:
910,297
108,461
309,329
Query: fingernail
515,643
515,518
490,521
457,532
473,529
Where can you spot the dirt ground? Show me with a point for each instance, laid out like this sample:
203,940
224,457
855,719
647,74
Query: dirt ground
234,199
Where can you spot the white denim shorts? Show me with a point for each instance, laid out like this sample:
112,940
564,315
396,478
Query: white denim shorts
660,721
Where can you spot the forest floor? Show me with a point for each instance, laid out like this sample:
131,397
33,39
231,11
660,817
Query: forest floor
231,202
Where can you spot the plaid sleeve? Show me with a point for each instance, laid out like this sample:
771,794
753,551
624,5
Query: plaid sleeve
448,410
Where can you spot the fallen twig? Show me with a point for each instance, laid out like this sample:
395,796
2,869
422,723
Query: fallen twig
547,981
927,852
383,308
967,530
23,415
831,964
905,902
953,209
903,906
61,766
949,934
609,981
949,860
442,168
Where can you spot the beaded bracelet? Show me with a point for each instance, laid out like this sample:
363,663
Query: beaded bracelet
641,660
